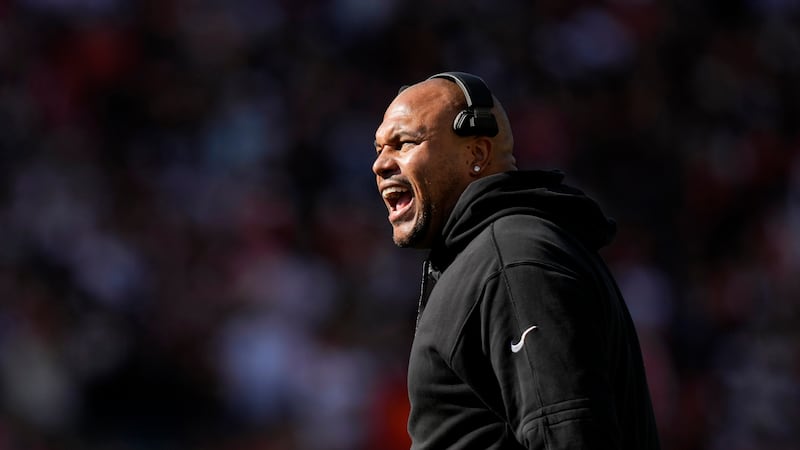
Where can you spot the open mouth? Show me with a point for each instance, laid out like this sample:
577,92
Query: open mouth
398,199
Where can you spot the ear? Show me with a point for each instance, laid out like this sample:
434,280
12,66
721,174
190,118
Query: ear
481,155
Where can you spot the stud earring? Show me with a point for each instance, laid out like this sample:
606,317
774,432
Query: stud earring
476,168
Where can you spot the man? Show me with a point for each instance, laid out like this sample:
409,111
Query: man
523,339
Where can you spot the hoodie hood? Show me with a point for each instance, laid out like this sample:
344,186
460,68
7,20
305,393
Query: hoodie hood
537,193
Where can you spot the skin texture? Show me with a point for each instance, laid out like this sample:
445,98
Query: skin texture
418,152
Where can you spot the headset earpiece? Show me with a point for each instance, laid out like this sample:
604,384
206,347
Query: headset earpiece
477,119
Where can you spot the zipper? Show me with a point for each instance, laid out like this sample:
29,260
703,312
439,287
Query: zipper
429,278
422,294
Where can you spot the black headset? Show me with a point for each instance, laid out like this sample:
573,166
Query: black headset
477,119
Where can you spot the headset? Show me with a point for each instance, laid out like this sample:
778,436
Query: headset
477,119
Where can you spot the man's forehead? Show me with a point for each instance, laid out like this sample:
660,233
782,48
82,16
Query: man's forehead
399,111
400,117
418,105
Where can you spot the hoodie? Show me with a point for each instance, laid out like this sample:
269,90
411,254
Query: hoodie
523,339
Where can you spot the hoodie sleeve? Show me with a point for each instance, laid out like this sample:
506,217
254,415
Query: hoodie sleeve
542,329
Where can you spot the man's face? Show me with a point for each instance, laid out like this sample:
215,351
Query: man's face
420,163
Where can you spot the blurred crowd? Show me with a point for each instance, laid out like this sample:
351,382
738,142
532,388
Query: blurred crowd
194,254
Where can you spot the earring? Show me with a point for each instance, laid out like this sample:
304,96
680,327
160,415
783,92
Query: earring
476,168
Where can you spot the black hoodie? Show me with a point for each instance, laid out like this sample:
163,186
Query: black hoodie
523,339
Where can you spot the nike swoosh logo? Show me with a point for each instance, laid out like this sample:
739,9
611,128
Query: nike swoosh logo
518,346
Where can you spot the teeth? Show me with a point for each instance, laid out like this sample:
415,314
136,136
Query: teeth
388,192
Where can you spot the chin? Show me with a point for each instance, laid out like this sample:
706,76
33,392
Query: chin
404,240
417,237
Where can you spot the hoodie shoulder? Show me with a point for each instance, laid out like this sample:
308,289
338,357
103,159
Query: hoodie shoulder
552,209
528,239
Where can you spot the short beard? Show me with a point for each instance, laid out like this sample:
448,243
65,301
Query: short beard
419,231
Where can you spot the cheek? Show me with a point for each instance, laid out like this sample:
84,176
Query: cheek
441,189
427,185
436,178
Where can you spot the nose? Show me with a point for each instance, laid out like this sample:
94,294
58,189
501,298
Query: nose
384,165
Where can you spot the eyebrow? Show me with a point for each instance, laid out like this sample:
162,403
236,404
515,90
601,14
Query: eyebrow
397,135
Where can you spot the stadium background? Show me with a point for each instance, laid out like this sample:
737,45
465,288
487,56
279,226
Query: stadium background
194,255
